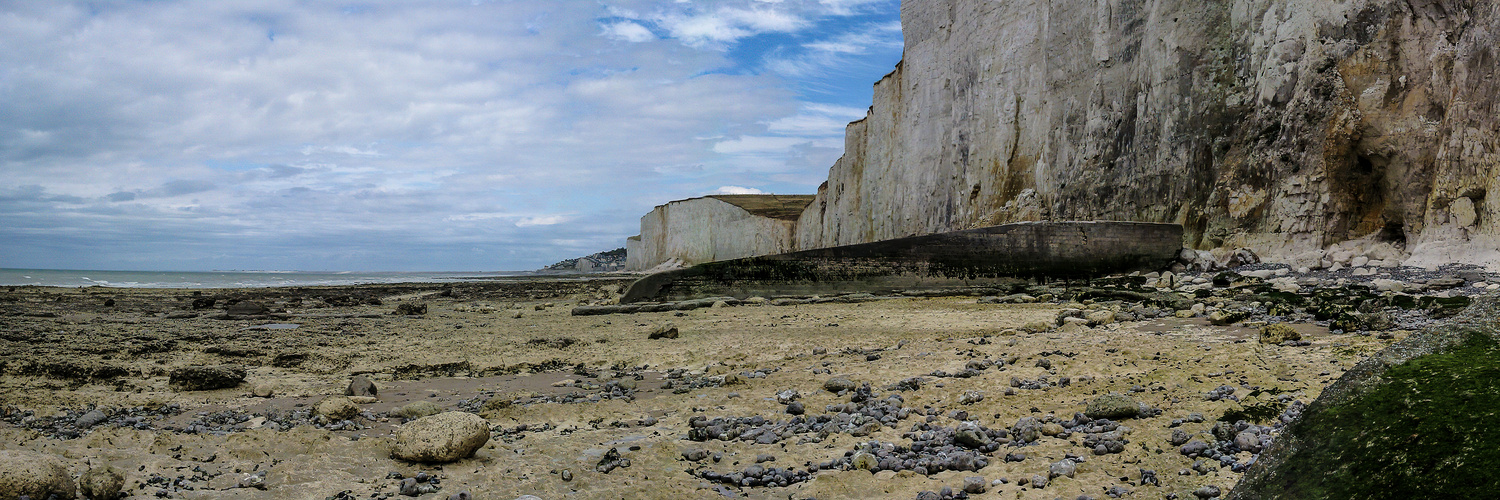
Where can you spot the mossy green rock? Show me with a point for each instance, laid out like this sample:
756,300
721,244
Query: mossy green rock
1278,333
1415,420
1112,406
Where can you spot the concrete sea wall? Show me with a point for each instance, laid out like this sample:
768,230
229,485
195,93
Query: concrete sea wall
973,257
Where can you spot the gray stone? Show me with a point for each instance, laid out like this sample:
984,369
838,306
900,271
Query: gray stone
90,419
975,485
1179,437
1193,448
444,437
1248,441
1064,467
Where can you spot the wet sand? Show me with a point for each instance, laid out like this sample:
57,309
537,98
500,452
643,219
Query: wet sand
516,342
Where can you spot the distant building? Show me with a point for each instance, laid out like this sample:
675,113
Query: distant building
718,227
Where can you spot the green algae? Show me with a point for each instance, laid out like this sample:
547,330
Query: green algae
1428,429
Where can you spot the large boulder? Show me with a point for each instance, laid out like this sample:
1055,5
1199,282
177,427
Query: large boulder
34,475
206,378
440,438
1415,420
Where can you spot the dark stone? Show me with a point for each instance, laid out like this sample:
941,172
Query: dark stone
1367,437
246,308
361,386
410,309
205,378
90,419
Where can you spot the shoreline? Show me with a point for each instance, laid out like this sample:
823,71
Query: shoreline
559,391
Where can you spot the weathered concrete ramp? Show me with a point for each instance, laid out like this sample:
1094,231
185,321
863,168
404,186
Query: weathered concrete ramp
975,257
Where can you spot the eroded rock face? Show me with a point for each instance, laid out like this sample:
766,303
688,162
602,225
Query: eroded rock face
1367,436
1280,125
441,438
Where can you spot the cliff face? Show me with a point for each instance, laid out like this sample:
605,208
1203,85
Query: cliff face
713,228
1283,125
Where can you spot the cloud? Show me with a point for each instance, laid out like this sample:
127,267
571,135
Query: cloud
737,190
816,120
302,135
628,31
838,50
544,220
758,144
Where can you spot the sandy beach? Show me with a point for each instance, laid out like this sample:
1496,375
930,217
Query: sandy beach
590,407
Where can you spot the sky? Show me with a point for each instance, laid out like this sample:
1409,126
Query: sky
425,135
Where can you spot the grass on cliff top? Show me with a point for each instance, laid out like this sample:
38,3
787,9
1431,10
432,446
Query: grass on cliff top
1431,431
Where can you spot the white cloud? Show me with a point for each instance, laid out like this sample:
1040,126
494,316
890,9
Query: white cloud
737,190
838,50
543,220
749,144
628,31
816,120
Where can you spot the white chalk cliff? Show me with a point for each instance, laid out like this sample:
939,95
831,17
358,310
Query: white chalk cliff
1285,126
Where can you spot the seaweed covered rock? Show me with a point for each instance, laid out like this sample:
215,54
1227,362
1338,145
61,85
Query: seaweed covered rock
206,378
1370,436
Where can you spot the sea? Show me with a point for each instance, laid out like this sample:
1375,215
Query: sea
232,279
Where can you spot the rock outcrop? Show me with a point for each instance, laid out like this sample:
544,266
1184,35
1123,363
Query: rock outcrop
1286,126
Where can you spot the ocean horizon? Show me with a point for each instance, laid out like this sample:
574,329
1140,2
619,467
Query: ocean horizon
77,278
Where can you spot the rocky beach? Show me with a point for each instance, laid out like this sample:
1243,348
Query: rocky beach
1141,386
